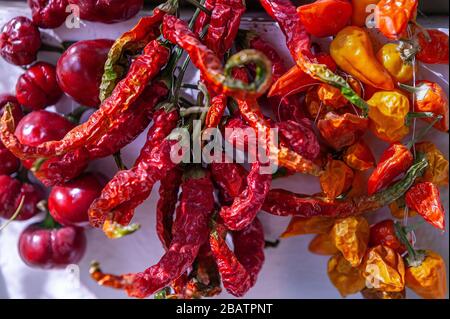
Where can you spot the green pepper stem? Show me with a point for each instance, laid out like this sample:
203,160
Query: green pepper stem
119,162
48,222
414,257
16,213
417,115
199,6
423,132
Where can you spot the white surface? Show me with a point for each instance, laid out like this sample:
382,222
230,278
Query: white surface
290,271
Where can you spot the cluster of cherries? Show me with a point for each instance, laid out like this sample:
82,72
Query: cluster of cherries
59,239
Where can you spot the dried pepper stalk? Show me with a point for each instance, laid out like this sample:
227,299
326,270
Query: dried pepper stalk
190,232
142,70
218,78
129,188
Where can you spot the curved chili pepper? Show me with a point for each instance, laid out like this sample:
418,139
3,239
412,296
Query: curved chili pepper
433,50
395,160
218,79
300,137
165,207
230,177
190,232
142,70
132,41
216,110
129,188
203,18
392,16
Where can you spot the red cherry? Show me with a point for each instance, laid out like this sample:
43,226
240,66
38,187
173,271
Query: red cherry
37,88
20,41
48,247
16,111
80,69
69,203
108,11
48,14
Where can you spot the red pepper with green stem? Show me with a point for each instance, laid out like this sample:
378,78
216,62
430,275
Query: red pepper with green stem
190,232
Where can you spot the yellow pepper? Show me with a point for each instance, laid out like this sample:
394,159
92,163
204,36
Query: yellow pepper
347,279
390,58
351,237
336,179
437,169
352,51
361,11
387,114
429,279
322,245
377,294
312,225
384,269
398,209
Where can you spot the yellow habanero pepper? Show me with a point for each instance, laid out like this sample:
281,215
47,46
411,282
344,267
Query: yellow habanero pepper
387,114
322,245
347,279
384,269
390,58
352,51
312,225
437,169
361,10
429,279
351,237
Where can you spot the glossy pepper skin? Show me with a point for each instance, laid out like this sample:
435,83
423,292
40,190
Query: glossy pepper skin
425,199
395,160
348,280
391,60
438,168
336,178
20,41
51,247
80,69
352,51
429,279
37,88
359,13
48,14
383,233
325,18
392,17
11,193
359,156
387,114
107,11
69,203
434,51
231,178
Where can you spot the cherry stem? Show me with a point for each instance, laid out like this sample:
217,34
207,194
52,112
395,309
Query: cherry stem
16,213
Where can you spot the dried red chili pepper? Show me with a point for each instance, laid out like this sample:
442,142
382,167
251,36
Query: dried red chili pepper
203,18
392,16
190,232
425,199
344,130
218,78
129,188
216,110
230,177
395,160
384,233
433,50
142,70
324,18
165,208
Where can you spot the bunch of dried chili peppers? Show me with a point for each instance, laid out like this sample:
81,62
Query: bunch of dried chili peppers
323,109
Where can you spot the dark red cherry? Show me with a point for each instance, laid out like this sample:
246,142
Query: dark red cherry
108,11
48,14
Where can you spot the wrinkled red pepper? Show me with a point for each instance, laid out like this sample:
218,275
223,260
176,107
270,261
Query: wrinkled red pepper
300,137
383,233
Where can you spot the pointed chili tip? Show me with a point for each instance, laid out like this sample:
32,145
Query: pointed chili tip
114,230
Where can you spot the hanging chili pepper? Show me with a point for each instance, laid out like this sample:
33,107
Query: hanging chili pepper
360,11
347,279
344,130
433,50
429,279
392,17
352,51
384,233
359,156
190,232
351,237
395,160
217,78
231,179
336,179
324,18
142,70
387,114
131,42
430,97
216,110
383,269
390,57
437,170
322,244
331,96
425,199
165,207
312,225
129,188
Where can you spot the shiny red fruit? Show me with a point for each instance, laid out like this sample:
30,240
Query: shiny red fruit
20,41
80,69
48,14
108,11
69,203
53,247
37,88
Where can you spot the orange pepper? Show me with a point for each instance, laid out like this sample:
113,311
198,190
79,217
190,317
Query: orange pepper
312,225
368,293
392,16
359,156
336,179
437,169
322,245
347,279
361,10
